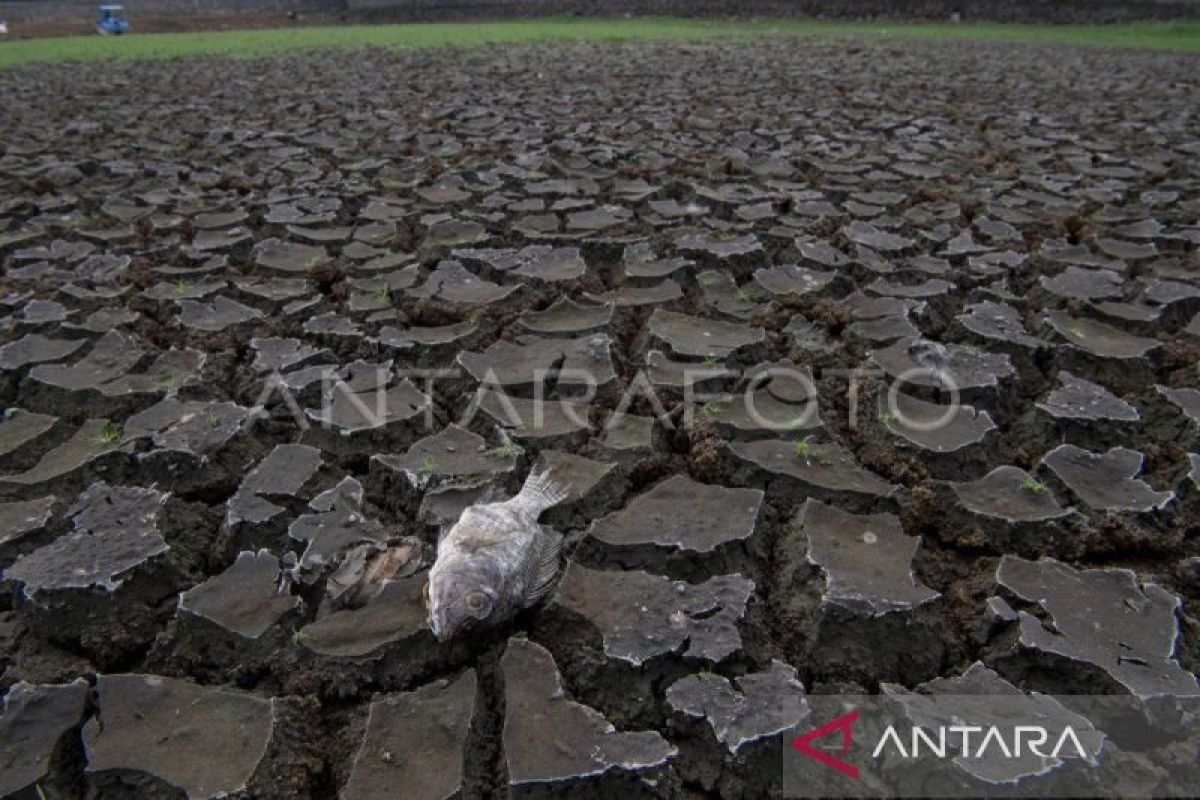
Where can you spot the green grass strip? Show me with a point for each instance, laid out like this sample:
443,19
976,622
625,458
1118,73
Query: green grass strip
1177,36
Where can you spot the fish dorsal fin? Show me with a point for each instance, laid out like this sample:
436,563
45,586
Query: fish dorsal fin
539,493
543,566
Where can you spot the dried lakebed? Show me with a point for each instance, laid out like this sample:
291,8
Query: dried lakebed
264,330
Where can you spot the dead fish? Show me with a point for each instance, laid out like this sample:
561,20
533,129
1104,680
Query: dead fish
495,561
364,571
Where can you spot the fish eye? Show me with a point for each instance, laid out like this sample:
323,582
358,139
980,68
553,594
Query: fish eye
478,604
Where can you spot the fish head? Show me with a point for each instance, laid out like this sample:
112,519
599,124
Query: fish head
462,595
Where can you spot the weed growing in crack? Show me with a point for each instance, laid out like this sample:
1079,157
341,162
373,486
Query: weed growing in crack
802,446
1033,485
109,434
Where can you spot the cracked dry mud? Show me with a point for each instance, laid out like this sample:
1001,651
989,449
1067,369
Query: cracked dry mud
219,276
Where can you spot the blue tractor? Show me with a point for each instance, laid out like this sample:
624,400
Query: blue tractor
112,21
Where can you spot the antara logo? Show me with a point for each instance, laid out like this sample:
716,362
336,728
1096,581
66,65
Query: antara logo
953,741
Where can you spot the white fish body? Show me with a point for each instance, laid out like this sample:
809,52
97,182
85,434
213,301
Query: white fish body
496,560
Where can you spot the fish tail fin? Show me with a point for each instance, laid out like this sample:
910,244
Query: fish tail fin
540,492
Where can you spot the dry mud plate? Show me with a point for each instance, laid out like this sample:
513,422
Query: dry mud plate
223,279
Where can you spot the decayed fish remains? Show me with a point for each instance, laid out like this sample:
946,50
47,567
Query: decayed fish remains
495,561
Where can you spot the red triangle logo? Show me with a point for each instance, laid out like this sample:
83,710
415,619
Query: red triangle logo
844,724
